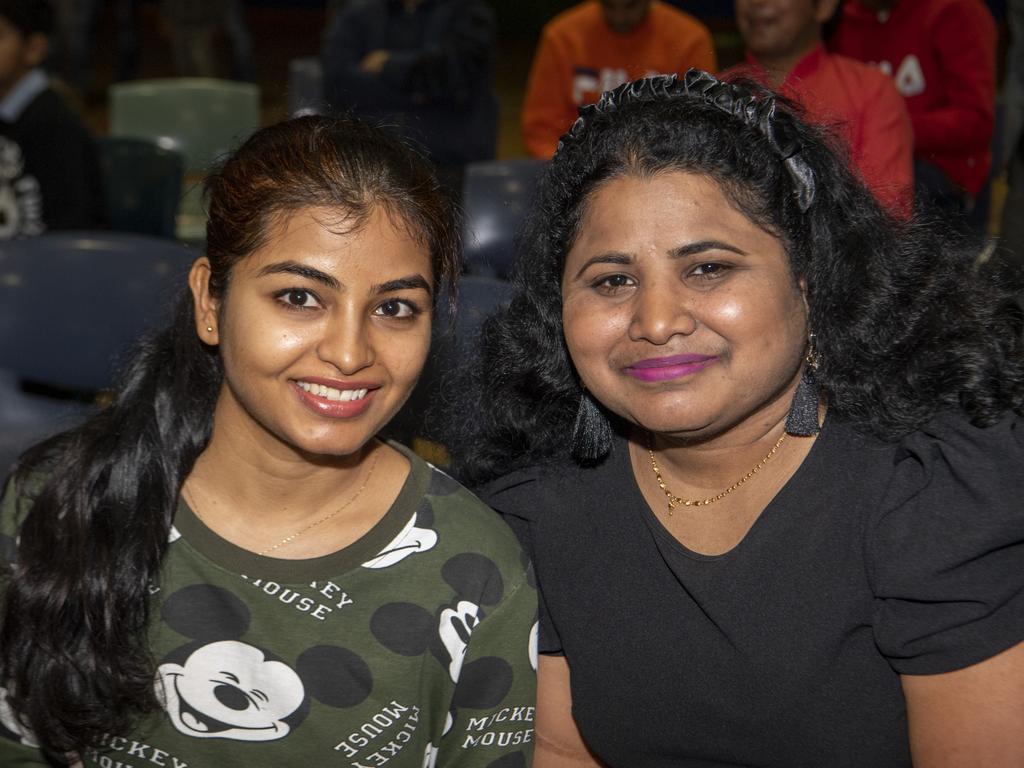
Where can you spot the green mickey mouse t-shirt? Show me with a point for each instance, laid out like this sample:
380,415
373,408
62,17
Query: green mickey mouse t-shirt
414,647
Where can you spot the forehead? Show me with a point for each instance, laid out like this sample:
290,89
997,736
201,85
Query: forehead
333,240
663,211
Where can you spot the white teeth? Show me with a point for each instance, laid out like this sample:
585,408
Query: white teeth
333,394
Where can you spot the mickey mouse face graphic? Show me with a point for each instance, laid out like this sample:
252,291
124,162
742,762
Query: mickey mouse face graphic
219,687
231,690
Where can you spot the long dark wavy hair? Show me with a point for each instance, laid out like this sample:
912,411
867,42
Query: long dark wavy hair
101,498
906,325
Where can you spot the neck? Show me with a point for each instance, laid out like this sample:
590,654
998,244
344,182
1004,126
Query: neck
711,457
257,471
777,67
714,461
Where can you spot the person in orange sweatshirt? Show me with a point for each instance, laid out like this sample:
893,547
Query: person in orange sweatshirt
598,45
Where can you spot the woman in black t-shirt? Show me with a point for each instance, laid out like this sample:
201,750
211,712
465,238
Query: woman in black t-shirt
771,481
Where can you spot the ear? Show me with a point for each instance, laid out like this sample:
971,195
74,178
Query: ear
205,304
825,10
37,46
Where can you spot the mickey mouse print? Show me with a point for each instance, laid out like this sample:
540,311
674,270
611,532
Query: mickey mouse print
412,648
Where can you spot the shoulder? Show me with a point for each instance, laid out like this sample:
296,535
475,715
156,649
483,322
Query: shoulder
49,113
946,551
951,456
863,80
466,520
526,493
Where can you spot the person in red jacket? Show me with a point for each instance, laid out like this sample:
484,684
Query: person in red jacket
785,51
598,45
941,56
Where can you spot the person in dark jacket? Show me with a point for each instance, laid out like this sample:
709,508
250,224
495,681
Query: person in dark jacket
424,65
49,168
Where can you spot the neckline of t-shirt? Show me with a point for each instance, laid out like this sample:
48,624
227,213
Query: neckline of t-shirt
763,520
235,559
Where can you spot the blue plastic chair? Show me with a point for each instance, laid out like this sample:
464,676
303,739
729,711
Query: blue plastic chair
70,305
496,197
70,302
141,184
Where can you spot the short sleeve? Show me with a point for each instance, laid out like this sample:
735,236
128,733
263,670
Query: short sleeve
494,700
511,497
946,551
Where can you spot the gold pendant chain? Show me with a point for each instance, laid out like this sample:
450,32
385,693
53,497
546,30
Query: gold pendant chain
314,524
677,501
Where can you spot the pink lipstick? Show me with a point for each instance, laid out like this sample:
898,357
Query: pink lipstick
665,368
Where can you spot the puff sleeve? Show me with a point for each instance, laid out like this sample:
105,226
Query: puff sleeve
945,552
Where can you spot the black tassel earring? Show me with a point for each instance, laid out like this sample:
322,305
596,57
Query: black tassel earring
803,413
591,434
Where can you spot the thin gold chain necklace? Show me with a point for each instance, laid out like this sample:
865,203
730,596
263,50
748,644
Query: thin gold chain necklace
677,501
314,524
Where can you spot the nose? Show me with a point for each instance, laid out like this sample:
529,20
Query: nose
659,313
346,342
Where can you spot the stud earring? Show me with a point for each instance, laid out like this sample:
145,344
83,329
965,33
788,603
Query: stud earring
209,329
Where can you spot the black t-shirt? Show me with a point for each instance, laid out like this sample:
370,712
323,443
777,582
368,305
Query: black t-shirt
874,560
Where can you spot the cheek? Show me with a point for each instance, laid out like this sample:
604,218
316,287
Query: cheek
263,344
406,354
591,336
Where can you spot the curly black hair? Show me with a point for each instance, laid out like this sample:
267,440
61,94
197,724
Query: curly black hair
906,324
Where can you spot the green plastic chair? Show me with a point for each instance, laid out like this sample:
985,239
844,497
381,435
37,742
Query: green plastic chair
202,118
141,184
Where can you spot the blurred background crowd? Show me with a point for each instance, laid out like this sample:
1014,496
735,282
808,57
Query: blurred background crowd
111,111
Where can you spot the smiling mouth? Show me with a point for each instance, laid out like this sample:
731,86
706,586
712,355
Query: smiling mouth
329,393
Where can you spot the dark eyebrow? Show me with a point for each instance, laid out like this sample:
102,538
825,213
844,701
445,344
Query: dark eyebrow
616,257
294,268
704,245
404,284
613,257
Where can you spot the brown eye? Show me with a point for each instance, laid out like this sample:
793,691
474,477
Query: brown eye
298,298
397,308
709,271
613,283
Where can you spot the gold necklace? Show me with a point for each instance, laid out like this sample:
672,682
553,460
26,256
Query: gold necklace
676,501
314,524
